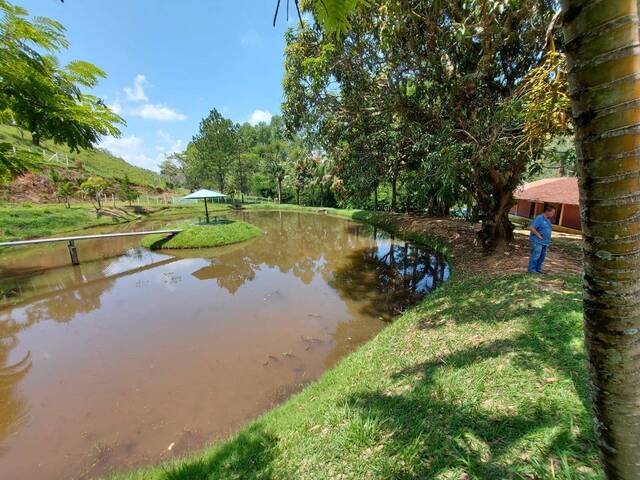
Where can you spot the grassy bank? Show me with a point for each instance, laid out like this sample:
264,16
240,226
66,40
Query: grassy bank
24,221
484,379
225,232
18,222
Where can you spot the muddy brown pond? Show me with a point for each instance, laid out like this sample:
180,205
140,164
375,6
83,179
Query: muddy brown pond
106,365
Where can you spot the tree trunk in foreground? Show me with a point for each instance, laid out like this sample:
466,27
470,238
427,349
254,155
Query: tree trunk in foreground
604,79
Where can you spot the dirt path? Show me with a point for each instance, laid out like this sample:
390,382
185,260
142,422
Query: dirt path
564,254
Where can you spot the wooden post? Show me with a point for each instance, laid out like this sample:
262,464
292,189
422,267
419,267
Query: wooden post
73,252
206,210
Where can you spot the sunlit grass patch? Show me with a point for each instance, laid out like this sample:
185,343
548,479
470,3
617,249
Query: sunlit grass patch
23,221
223,232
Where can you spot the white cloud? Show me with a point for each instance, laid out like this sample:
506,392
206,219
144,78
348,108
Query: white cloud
122,144
131,149
167,145
259,116
250,37
134,150
157,111
115,107
137,93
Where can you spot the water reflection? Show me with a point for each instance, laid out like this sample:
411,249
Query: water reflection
93,355
14,407
384,275
390,276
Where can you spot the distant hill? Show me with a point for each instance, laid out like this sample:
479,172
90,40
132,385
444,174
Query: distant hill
89,162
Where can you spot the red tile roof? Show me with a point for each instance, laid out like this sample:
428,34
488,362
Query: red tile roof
551,190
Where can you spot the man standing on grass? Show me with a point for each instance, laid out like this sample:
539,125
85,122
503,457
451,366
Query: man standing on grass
540,238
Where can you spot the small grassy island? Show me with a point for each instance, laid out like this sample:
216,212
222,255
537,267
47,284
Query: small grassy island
223,232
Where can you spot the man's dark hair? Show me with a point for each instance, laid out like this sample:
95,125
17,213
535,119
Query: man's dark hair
549,208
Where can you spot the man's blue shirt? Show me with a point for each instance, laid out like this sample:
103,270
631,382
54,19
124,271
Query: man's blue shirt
543,226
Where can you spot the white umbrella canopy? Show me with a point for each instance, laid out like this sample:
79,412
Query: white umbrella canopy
204,194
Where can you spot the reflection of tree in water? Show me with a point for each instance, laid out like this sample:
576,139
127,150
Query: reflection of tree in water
60,306
64,305
293,242
387,278
381,275
230,271
13,409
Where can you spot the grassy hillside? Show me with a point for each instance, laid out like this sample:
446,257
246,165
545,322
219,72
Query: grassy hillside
91,162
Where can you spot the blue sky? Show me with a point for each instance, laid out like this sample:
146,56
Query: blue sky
169,62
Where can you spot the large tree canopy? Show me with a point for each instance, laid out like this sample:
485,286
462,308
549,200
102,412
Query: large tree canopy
424,85
40,95
242,158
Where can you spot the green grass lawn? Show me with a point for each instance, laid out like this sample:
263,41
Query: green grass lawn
223,232
24,221
18,222
484,379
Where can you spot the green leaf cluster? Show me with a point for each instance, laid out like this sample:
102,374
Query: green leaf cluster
42,96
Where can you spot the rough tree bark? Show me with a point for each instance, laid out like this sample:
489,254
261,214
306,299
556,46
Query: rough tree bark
603,48
496,228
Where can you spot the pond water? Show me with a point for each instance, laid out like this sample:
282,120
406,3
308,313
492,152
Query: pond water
106,365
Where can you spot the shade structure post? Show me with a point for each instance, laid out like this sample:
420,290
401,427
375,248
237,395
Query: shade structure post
73,252
204,194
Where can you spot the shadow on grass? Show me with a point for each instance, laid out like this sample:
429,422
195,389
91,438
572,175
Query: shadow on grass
248,455
445,435
218,221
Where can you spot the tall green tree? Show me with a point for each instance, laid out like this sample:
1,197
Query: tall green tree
242,167
126,192
300,168
94,188
45,98
172,169
274,158
437,66
212,150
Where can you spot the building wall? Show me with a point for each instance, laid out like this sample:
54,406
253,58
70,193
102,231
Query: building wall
571,217
522,208
570,213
